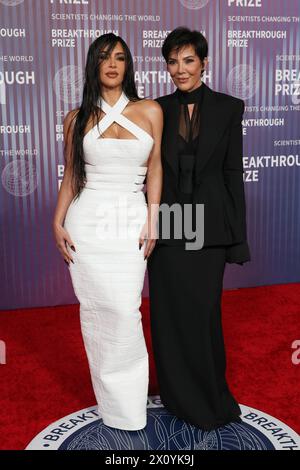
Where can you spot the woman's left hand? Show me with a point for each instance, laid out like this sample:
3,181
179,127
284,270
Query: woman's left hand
148,233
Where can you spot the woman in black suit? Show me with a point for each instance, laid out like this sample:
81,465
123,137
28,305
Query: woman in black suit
202,164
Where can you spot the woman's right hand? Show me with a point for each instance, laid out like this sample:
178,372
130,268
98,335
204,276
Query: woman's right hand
62,238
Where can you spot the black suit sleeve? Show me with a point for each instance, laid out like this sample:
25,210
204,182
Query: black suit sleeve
238,253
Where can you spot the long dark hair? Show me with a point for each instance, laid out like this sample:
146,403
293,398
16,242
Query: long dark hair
90,97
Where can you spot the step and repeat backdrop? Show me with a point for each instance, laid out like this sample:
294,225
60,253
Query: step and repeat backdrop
254,52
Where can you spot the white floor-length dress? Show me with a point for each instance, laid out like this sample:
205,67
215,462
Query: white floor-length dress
109,269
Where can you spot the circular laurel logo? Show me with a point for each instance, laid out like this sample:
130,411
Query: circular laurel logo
194,4
68,83
19,177
85,430
242,81
11,3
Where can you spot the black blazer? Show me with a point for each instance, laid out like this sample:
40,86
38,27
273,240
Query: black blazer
218,173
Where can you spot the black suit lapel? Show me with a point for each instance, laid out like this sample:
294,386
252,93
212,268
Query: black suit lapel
212,125
171,123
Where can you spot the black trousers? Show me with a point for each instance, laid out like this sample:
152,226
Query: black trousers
185,289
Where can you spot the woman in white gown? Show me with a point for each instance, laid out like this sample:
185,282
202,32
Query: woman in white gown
112,144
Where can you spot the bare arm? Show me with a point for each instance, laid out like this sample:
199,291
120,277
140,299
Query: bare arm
66,192
154,178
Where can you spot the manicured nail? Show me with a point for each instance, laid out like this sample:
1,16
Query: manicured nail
73,248
140,246
72,261
66,262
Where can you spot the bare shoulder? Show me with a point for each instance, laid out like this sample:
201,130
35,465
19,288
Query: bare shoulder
151,109
69,122
70,117
150,105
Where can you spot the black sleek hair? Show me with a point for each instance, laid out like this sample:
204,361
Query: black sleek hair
91,95
183,36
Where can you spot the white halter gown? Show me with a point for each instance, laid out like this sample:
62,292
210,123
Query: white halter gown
109,269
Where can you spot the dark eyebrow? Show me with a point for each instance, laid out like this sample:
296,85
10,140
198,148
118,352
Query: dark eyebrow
120,52
186,57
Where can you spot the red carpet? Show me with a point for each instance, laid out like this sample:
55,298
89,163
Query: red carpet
46,375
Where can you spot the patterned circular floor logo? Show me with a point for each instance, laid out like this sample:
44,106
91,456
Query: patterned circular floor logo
84,430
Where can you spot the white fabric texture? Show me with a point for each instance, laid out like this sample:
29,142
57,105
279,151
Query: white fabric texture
109,269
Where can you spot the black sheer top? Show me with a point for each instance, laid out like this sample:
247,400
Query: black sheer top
188,133
187,144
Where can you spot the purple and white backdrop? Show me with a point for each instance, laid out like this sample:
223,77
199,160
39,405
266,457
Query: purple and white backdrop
254,53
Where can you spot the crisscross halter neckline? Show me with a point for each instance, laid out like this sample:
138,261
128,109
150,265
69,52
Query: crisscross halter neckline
113,114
